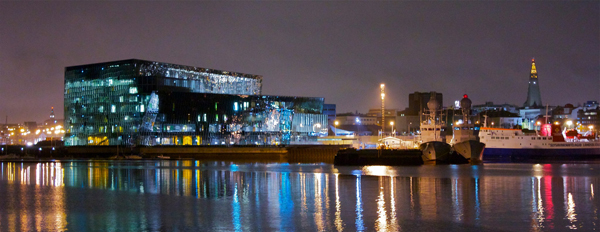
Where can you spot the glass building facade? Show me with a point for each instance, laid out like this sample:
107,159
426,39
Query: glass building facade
136,102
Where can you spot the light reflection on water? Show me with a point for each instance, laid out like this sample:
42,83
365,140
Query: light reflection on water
226,196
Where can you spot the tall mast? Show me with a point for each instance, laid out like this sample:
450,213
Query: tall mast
382,108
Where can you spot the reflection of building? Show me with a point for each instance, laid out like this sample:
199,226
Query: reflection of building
151,103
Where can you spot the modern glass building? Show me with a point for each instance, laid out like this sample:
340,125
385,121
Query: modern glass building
137,102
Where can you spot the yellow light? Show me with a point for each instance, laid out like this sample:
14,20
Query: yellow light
382,95
22,130
569,123
392,123
591,127
58,127
382,86
539,123
37,132
336,122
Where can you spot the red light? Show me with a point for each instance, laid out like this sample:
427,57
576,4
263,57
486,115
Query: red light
532,60
465,96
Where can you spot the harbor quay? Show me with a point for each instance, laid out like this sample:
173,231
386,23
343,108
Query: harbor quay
291,153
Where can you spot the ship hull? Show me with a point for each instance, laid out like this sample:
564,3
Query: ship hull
435,151
515,154
471,150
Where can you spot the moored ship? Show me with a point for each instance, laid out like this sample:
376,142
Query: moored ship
551,143
465,137
433,139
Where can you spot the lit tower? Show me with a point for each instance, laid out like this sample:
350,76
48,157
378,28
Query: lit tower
52,112
382,107
534,98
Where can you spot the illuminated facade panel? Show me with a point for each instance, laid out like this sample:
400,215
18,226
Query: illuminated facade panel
149,103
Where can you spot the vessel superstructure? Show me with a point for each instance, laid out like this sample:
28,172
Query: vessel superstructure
433,139
553,141
465,137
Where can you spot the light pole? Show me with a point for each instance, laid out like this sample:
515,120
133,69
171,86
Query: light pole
335,127
382,86
392,123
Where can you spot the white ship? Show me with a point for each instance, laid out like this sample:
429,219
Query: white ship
465,137
551,142
433,139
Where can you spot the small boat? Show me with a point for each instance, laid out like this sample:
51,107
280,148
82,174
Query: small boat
133,157
9,156
161,156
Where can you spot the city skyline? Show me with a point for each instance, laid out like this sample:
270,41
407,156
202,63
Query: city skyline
334,50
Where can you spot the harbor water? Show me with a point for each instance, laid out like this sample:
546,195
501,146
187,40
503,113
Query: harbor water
190,195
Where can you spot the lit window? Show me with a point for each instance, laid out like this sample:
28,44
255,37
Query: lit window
113,109
133,90
142,108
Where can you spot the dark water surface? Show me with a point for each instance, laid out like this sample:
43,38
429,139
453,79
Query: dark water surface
224,196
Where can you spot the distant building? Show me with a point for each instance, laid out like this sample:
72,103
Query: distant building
390,116
534,98
417,102
360,124
137,102
562,113
497,107
589,115
500,119
356,119
408,120
330,110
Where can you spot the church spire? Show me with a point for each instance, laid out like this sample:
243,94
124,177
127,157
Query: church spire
534,98
533,70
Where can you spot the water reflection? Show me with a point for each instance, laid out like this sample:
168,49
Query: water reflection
195,195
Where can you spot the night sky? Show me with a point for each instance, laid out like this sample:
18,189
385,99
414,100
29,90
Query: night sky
338,50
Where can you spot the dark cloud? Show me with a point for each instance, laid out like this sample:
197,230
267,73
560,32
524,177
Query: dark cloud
337,50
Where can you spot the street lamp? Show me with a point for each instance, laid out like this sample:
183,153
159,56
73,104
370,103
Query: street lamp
335,127
392,123
569,123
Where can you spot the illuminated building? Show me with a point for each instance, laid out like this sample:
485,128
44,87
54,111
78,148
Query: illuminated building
137,102
534,99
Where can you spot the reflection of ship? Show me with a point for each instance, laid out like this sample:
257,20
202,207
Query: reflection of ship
465,139
433,140
550,142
